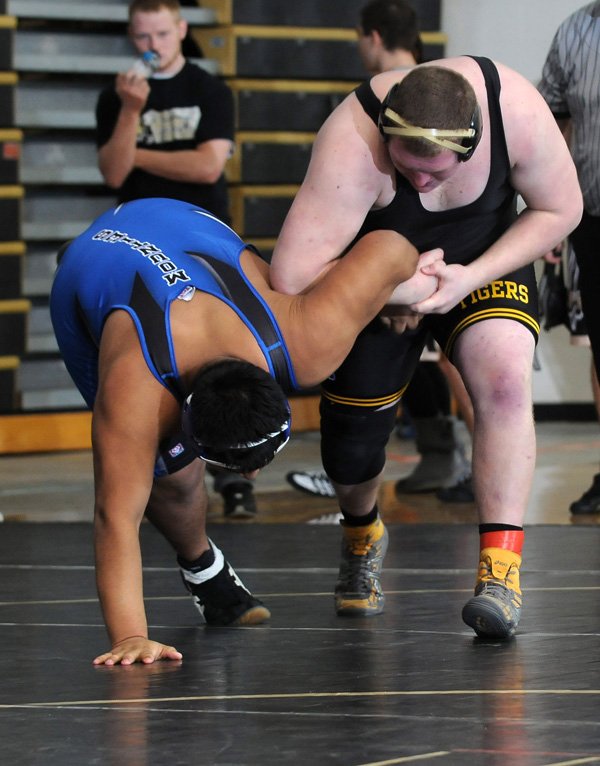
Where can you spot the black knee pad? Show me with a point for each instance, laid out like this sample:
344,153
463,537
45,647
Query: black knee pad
353,441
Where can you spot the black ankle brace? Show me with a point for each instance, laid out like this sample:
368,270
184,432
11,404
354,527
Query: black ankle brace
360,521
203,561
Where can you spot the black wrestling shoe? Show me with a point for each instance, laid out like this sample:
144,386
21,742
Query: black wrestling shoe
461,492
220,596
589,502
238,501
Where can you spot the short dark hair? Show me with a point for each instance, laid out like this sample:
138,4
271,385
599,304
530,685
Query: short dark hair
396,22
432,97
233,404
153,6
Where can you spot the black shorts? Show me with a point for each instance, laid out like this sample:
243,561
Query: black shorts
586,243
381,363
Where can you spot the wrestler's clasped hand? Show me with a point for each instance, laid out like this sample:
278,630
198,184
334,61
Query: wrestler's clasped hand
400,314
452,287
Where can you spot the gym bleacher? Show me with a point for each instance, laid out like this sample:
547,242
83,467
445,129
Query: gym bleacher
288,67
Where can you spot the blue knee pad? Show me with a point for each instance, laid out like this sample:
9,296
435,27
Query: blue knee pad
353,441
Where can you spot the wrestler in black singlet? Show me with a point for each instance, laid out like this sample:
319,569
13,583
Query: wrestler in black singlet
378,369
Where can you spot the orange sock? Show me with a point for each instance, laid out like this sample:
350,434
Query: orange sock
507,539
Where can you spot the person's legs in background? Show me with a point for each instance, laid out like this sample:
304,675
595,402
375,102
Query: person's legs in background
314,483
582,266
589,502
459,392
237,493
462,490
443,462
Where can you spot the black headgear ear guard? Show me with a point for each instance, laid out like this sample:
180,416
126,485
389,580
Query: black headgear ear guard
476,128
463,141
213,457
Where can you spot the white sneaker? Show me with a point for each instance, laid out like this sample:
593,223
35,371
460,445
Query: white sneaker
311,482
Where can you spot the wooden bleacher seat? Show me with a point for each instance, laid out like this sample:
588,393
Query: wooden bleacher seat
259,211
38,269
11,265
11,203
13,325
45,384
288,64
263,157
77,53
67,104
63,160
9,395
40,335
57,216
310,13
286,105
291,52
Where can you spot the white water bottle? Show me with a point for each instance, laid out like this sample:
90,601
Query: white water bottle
146,65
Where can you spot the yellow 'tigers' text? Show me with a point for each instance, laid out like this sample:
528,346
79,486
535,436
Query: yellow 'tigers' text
498,289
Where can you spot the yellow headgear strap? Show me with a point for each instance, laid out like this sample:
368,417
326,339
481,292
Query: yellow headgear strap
435,136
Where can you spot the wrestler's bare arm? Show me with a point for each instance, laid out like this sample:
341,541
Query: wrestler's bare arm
349,174
123,465
343,182
125,440
321,326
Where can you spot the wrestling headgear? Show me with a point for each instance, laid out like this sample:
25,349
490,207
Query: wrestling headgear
463,141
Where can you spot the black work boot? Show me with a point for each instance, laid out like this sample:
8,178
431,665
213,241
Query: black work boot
589,502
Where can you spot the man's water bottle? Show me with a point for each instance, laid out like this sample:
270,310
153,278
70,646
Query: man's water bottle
146,65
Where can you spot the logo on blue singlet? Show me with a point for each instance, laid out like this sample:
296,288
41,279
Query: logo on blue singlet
170,272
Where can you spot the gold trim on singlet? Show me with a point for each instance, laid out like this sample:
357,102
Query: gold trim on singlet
494,313
380,402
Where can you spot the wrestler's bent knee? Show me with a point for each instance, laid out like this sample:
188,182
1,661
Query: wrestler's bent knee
353,441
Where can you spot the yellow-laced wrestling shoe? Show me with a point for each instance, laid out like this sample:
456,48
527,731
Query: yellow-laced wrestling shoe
495,609
358,588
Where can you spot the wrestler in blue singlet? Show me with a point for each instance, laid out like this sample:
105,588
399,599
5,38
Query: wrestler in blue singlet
139,257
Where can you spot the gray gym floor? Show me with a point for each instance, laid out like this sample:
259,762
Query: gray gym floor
410,686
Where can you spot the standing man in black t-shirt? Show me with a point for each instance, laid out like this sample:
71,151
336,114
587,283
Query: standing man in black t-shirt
170,135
